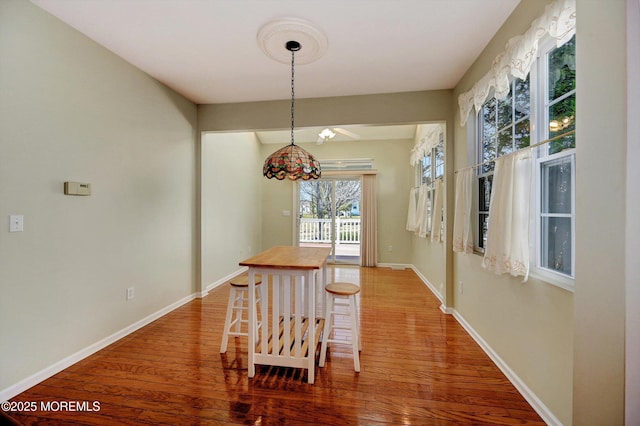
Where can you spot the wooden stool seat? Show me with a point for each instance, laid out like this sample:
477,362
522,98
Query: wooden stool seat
342,289
243,280
239,303
345,292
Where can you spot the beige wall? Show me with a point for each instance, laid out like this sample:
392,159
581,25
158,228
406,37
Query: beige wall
71,110
600,223
529,325
430,259
632,267
231,203
395,108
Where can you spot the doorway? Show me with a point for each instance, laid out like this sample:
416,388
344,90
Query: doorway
329,216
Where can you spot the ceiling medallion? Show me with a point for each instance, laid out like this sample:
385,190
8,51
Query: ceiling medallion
273,37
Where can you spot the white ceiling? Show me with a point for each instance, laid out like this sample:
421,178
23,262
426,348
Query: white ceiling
207,49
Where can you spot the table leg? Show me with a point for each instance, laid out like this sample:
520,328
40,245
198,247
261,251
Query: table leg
252,321
325,277
311,299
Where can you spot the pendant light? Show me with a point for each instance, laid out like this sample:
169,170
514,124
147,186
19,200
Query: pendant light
292,161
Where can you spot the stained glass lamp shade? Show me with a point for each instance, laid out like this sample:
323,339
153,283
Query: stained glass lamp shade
292,162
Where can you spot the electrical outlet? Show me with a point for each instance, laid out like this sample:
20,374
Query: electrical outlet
131,293
460,287
390,248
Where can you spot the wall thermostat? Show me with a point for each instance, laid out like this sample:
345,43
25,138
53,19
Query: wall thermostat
77,188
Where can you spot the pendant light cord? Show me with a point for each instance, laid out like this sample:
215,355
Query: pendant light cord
292,95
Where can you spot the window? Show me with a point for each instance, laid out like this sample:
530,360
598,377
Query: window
432,168
539,108
432,165
556,214
505,124
484,196
555,225
426,171
503,128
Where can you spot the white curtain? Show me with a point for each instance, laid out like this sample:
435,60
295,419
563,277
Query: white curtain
436,222
369,244
558,20
507,249
411,214
423,220
462,229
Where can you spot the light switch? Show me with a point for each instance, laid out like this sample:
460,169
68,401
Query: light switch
16,223
286,212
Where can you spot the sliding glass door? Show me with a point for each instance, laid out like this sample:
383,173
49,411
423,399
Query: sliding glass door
329,216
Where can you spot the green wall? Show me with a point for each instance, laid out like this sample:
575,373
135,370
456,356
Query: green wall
601,228
231,204
71,110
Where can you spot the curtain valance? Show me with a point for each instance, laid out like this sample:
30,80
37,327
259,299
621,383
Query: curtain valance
558,20
427,136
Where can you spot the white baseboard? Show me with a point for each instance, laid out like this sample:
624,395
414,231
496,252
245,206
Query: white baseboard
40,376
428,284
445,310
542,410
221,281
395,266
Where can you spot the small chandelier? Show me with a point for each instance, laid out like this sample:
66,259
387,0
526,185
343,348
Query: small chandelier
326,134
292,161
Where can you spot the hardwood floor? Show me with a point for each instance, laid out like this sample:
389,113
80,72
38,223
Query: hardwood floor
418,367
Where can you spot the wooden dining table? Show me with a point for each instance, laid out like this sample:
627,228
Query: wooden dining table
286,331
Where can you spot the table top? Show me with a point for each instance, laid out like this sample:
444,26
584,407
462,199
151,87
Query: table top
289,257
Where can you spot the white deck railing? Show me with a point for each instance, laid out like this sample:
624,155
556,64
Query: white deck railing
319,231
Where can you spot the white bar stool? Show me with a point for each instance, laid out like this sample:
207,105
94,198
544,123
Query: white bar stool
239,303
347,292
